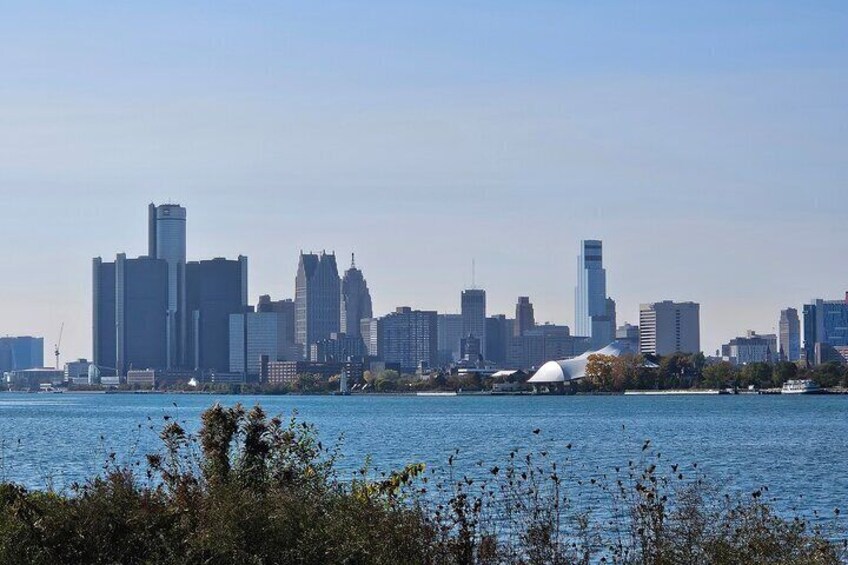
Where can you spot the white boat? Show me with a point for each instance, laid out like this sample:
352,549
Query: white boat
805,386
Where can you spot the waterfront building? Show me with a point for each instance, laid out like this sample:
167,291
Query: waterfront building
825,328
408,337
525,318
19,353
753,348
167,241
337,347
142,378
317,299
77,372
356,300
669,327
790,335
215,289
499,330
450,338
34,378
130,314
594,314
543,343
288,372
473,303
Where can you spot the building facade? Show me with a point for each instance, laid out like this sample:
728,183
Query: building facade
409,337
473,303
753,348
669,327
338,347
499,330
167,241
356,300
254,336
825,327
450,338
317,299
594,315
215,289
544,343
790,335
19,353
131,314
525,318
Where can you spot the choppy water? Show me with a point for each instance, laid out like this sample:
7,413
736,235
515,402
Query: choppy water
798,445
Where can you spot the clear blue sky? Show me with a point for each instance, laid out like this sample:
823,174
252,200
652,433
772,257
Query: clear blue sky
705,144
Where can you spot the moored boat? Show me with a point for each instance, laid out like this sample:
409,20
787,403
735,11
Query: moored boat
805,386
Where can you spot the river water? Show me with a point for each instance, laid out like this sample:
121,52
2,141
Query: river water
797,446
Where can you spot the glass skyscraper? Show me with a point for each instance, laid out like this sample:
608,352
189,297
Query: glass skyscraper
167,241
592,315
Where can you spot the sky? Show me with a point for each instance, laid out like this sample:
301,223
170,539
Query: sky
704,143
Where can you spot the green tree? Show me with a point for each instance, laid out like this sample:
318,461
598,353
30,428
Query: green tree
782,372
719,375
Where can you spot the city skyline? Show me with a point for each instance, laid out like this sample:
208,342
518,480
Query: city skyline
704,151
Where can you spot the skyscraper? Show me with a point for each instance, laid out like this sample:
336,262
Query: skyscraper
790,335
450,337
670,327
825,328
592,316
409,337
474,316
215,289
20,353
356,300
130,301
499,330
317,298
167,241
525,319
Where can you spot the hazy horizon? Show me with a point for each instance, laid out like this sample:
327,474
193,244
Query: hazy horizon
704,144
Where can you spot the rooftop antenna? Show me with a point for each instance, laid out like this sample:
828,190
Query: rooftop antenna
473,273
353,260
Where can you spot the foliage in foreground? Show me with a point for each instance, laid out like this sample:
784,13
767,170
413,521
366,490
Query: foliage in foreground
248,489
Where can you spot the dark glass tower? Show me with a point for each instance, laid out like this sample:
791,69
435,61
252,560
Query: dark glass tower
167,241
215,289
130,300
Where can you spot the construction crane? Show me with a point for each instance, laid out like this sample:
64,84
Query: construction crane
58,345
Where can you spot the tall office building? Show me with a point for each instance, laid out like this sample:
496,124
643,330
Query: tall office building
317,299
594,315
21,353
790,335
825,328
254,335
167,241
215,289
450,337
131,314
474,316
285,308
356,300
669,327
499,330
409,337
525,318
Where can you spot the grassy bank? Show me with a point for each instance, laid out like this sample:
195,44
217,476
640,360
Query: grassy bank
253,489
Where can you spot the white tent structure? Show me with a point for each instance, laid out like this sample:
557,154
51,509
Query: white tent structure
574,369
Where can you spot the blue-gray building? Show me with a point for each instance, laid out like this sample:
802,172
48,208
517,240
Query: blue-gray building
19,353
317,299
130,314
594,315
215,289
167,241
825,328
